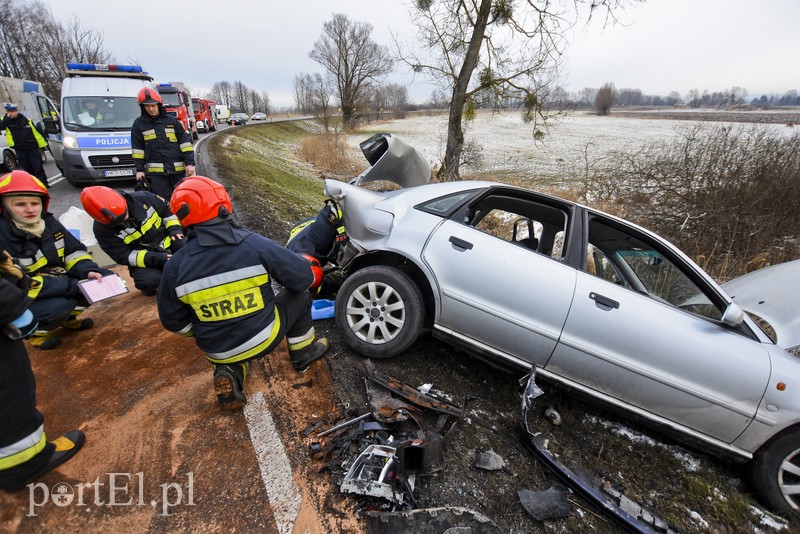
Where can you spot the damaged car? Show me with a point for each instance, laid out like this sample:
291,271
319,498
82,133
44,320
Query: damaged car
595,304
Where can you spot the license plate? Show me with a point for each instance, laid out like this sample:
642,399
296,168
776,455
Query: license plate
119,172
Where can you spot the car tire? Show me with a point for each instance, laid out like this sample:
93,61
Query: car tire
768,472
9,161
363,319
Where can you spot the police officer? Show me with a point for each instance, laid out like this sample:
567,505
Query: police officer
26,140
25,453
53,258
218,288
135,229
162,150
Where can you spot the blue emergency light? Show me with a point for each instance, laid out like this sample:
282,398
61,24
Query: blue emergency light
103,67
165,85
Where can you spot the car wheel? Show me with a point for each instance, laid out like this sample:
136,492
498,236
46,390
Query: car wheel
9,162
775,472
379,311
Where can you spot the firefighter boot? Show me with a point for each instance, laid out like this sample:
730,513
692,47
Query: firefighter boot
228,385
66,447
73,323
303,358
45,339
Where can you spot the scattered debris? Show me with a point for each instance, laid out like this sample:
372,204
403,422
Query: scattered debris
543,505
553,416
386,408
343,425
489,460
375,473
628,513
421,455
425,388
409,393
446,519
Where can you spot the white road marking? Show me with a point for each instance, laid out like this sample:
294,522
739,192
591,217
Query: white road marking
276,469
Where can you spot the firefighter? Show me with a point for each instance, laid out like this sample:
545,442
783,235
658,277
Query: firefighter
162,150
27,141
50,254
218,288
25,453
134,229
320,238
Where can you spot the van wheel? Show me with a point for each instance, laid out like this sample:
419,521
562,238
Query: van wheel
9,161
379,311
775,473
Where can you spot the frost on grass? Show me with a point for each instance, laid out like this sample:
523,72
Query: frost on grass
769,520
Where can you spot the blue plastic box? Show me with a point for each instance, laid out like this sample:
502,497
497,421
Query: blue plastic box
322,309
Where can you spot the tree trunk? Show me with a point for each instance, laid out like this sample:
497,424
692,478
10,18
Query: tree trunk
455,132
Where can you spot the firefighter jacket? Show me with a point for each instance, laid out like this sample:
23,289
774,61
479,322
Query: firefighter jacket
145,237
22,133
318,236
55,261
160,145
13,289
218,288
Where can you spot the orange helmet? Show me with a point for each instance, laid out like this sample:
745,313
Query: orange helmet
198,199
19,182
148,95
105,205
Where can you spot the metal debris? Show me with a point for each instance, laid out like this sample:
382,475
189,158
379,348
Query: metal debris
375,473
543,505
409,393
343,425
553,416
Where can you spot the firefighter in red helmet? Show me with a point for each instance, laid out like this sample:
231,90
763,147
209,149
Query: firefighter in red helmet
218,288
53,258
135,229
162,150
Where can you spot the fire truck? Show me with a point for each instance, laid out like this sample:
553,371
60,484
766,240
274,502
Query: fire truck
205,114
178,103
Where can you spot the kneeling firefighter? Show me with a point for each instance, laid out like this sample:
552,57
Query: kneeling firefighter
319,239
218,289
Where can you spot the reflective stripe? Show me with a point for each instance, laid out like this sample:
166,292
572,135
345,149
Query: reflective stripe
187,147
33,265
219,279
37,282
250,348
152,220
75,257
171,221
149,135
129,235
186,330
166,243
140,256
154,167
138,152
23,450
178,165
301,342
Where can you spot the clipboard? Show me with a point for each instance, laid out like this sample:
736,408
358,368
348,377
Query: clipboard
95,290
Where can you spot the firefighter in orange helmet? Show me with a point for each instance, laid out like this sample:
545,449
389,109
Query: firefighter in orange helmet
135,229
53,258
218,288
162,150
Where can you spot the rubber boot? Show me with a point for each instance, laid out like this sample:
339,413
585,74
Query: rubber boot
303,358
66,447
74,323
228,385
45,339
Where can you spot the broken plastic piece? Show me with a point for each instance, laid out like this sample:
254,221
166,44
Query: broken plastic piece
446,519
490,461
542,505
374,473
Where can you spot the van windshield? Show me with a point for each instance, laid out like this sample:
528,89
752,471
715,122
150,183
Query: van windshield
86,113
171,100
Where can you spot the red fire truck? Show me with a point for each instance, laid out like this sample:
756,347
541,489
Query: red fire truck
205,114
178,103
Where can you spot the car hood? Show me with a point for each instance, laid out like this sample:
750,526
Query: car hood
773,294
393,160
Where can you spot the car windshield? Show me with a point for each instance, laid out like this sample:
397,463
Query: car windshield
86,113
171,99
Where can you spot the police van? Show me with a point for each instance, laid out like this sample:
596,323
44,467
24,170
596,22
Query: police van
98,107
30,100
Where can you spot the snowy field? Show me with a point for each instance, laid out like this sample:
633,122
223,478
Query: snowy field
507,146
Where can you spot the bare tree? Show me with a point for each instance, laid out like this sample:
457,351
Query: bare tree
239,101
352,58
604,99
266,105
37,47
222,93
494,49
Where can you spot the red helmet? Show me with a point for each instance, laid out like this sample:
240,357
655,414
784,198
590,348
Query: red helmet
104,204
198,199
18,182
148,95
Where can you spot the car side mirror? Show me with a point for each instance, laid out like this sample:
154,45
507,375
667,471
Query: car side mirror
734,315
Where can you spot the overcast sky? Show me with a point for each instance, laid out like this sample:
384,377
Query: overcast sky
662,45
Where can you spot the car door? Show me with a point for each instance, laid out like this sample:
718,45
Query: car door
499,295
645,330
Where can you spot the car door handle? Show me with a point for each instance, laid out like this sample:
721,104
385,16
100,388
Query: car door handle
604,301
460,243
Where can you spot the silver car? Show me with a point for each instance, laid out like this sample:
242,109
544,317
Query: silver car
596,304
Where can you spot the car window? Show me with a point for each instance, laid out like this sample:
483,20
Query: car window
525,222
630,258
444,205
